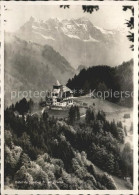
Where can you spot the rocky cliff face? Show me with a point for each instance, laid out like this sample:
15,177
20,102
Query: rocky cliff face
79,41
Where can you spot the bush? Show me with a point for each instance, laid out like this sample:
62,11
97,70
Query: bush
108,182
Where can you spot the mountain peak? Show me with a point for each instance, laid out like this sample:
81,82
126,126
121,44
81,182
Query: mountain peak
53,19
78,40
83,20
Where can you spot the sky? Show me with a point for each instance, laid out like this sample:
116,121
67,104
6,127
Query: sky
107,17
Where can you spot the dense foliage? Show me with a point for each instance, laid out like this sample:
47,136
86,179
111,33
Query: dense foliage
105,78
42,152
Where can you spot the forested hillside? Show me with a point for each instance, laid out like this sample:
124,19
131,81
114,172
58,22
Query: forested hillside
105,78
30,66
42,152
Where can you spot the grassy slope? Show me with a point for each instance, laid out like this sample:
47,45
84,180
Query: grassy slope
120,183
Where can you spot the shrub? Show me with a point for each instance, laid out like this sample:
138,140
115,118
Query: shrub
108,182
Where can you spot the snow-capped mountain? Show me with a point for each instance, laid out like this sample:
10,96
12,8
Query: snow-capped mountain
78,40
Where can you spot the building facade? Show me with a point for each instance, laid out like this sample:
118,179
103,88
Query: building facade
61,95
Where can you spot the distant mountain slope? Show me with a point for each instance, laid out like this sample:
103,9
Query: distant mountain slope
30,66
79,41
105,78
80,67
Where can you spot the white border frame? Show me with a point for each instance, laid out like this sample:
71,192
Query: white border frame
135,108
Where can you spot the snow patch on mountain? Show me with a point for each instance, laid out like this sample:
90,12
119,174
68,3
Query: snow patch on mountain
81,25
35,27
74,36
84,26
45,37
103,30
91,39
38,28
68,29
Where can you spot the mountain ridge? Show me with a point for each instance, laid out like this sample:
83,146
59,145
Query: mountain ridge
78,40
30,66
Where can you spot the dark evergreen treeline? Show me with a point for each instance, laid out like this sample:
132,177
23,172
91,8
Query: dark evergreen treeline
74,114
105,78
65,145
23,106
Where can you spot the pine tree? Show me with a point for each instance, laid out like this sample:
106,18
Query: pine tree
30,105
72,115
77,113
89,115
101,116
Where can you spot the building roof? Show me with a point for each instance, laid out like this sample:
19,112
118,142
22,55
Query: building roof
65,89
61,88
57,83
